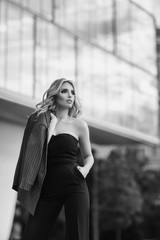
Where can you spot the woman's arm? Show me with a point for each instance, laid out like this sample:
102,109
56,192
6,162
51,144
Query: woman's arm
85,146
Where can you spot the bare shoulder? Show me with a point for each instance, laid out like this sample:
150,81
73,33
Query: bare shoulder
81,125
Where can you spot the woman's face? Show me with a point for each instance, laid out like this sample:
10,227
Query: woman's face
66,96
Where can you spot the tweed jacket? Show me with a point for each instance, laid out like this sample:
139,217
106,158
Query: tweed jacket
32,162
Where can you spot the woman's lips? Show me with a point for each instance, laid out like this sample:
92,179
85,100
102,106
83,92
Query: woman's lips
69,101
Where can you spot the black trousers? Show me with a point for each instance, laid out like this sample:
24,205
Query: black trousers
76,207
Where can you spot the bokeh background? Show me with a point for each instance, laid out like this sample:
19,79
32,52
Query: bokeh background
111,50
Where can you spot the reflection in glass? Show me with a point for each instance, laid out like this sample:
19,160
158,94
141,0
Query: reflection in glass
146,102
84,80
89,19
26,54
38,6
116,92
103,20
34,52
46,8
17,50
120,93
34,5
13,51
143,41
135,35
3,30
98,65
147,4
55,57
123,26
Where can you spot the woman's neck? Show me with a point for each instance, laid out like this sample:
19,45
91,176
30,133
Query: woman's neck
62,115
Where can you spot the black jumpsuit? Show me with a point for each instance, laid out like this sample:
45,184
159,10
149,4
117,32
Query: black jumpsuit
63,185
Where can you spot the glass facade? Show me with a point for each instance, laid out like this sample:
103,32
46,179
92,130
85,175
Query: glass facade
55,55
106,47
88,19
135,35
16,49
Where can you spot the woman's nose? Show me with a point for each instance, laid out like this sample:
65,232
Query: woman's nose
69,94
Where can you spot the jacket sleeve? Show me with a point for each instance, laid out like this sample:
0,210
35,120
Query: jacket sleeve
20,162
18,169
30,153
33,156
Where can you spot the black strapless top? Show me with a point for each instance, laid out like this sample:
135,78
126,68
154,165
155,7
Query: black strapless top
62,148
62,175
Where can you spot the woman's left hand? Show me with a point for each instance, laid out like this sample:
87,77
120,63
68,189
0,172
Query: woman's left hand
83,171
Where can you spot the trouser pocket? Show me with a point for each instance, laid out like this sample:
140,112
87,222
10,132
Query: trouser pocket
78,173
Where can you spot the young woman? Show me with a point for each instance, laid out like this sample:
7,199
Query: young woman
48,175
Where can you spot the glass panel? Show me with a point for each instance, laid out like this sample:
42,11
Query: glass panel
123,23
55,56
17,1
84,81
13,51
26,54
134,44
41,58
3,29
38,6
101,23
16,50
147,4
119,99
68,14
143,42
25,2
146,101
89,19
35,5
46,8
116,92
83,9
98,93
104,84
67,56
59,12
54,51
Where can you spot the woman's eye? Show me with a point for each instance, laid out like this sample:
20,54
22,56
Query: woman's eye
64,91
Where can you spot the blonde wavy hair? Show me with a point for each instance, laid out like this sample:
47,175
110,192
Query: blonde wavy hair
49,101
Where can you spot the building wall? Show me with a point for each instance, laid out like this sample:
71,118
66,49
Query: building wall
156,7
11,136
107,47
